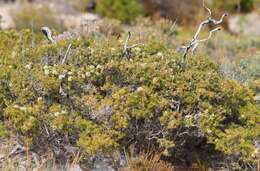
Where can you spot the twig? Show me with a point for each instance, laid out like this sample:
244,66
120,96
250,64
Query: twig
66,54
62,92
126,48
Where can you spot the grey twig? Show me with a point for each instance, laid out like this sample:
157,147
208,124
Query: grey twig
66,54
126,48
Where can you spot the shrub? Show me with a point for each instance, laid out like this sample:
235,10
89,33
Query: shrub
232,5
124,10
99,101
247,5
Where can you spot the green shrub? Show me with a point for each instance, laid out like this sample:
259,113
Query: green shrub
98,101
123,10
232,5
247,5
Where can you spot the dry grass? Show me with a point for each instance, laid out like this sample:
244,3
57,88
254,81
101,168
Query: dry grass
24,159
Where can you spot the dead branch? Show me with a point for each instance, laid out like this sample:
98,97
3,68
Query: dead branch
66,54
126,48
194,43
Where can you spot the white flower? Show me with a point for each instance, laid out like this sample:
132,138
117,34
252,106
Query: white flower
54,72
16,106
39,99
99,67
46,72
28,66
88,74
70,78
138,49
23,108
70,73
56,114
159,54
62,76
140,89
45,67
91,66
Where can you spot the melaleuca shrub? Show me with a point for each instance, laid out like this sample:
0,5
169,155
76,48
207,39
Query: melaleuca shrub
123,10
100,102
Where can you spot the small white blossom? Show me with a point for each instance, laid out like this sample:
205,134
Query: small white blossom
16,106
159,54
28,66
70,78
138,49
46,72
140,89
62,76
54,72
39,99
23,108
99,67
56,114
88,74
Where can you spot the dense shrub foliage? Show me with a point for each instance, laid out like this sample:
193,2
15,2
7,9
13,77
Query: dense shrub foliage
124,10
239,5
102,102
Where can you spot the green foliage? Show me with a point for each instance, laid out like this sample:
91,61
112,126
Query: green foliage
247,5
124,10
3,131
243,5
100,101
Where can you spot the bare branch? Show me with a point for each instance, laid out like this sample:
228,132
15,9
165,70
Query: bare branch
209,11
194,43
210,34
66,54
135,45
126,49
217,22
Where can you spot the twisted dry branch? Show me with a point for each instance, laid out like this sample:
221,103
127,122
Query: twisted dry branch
194,43
126,48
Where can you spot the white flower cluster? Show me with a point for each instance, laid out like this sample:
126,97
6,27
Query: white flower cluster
63,112
49,70
22,108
